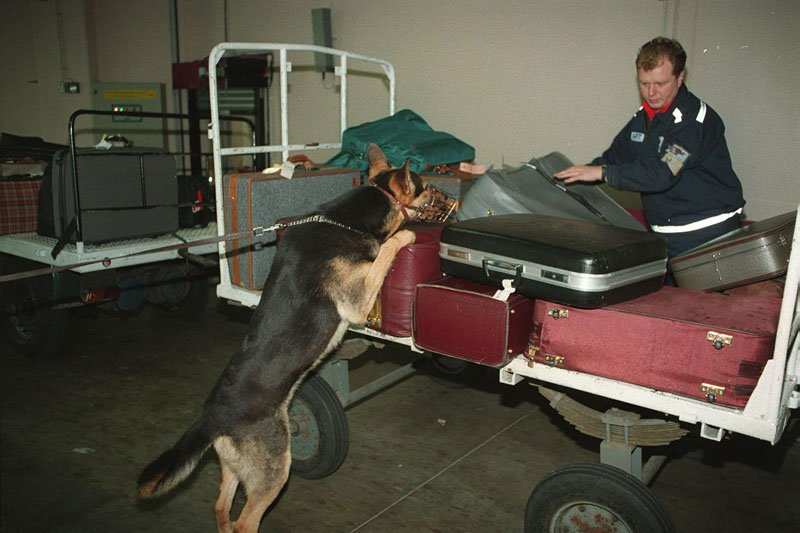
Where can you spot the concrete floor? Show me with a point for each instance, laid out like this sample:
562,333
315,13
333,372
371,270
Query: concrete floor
424,456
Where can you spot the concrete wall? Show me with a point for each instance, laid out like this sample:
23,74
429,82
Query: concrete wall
515,79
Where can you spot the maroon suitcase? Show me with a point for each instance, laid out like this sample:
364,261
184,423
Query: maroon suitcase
415,263
703,345
460,318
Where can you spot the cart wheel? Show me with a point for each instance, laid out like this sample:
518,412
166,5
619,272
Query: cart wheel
454,372
594,497
29,322
320,436
193,305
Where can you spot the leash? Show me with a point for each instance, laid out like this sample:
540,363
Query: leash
254,232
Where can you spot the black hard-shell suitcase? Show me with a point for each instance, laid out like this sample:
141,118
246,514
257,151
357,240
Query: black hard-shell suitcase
125,193
531,188
574,262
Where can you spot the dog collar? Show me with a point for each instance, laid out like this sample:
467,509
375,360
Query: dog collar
403,208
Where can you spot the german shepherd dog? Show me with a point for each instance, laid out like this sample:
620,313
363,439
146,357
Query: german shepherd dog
325,276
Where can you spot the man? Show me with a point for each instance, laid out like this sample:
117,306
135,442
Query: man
673,152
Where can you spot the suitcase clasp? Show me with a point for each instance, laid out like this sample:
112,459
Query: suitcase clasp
557,313
530,353
719,340
711,391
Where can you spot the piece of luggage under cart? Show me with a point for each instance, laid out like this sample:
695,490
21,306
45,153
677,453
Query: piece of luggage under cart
749,254
702,345
570,261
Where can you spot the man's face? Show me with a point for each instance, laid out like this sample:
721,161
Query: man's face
659,85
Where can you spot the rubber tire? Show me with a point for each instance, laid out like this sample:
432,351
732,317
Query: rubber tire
597,485
454,372
28,321
320,434
194,304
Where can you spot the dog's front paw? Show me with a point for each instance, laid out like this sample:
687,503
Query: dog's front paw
405,237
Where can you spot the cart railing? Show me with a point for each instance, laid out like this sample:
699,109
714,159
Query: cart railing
225,289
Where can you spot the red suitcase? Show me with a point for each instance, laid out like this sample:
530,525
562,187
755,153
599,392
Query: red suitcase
460,318
415,263
703,345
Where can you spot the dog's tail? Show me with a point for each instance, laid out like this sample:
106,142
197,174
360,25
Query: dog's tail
174,465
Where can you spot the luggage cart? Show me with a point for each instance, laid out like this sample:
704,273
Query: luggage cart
571,498
120,275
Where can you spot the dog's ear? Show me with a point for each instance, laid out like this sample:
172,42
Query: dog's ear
408,184
377,161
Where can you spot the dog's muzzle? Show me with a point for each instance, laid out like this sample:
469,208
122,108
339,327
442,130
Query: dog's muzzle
437,208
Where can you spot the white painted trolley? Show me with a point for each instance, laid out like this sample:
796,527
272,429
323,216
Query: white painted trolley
622,472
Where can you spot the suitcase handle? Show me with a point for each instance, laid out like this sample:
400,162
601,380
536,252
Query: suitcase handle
503,267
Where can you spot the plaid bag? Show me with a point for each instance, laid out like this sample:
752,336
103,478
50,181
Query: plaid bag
19,203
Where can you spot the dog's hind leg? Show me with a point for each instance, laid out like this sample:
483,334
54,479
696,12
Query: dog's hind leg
260,498
227,491
259,456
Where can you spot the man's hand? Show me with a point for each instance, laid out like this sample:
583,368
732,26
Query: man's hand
587,173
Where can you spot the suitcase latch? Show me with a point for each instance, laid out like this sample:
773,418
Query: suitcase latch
553,360
711,391
719,340
557,313
530,353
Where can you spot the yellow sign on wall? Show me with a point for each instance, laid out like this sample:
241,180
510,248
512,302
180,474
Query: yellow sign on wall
130,94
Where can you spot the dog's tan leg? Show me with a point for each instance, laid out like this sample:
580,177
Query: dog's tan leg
380,267
227,491
259,501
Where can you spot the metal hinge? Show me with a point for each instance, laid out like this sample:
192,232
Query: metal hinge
557,313
553,360
711,391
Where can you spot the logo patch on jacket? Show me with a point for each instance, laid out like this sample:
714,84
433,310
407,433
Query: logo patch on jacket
637,136
675,156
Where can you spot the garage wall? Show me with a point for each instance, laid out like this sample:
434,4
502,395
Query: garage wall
515,79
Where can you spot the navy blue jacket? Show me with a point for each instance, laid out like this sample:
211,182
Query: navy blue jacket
700,183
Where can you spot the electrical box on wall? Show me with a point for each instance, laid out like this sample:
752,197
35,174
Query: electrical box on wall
120,97
321,27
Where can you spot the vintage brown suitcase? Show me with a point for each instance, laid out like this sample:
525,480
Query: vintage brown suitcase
702,345
460,318
752,253
256,199
414,264
571,261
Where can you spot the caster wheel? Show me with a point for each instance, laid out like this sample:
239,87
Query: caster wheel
28,321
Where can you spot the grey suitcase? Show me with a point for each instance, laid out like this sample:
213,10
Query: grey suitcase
752,253
256,199
569,261
124,193
531,188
